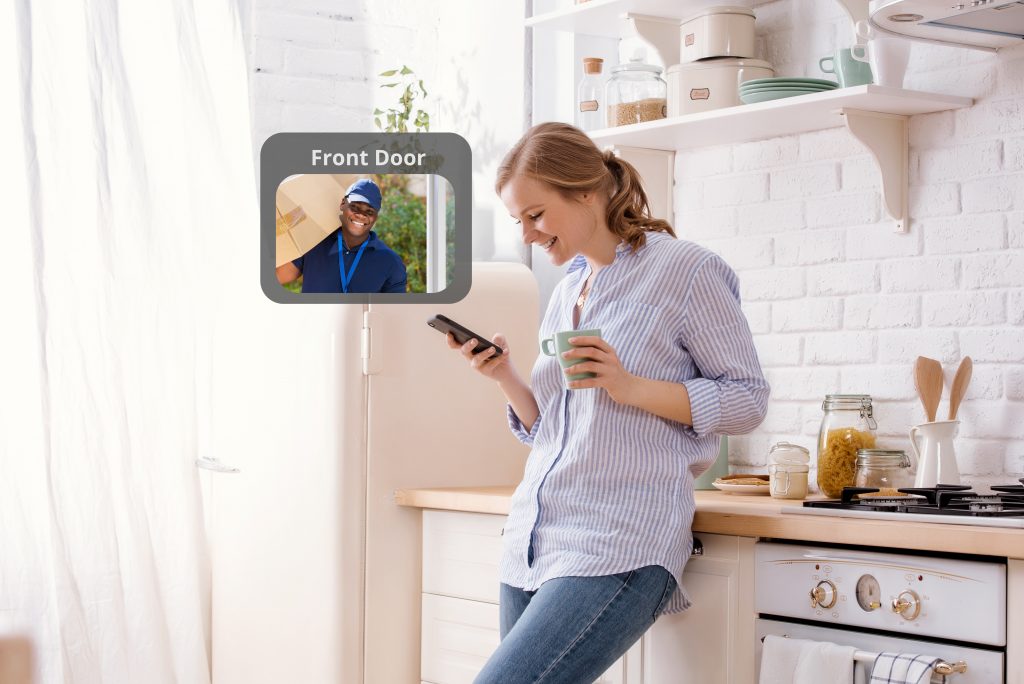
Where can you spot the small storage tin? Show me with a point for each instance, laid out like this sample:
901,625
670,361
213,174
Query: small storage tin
726,31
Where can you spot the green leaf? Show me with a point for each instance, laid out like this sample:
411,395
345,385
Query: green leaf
422,89
377,111
388,85
389,73
376,120
405,70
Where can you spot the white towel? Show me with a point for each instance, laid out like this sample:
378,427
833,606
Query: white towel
902,668
800,661
823,661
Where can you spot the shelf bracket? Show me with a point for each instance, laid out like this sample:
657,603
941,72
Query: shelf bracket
886,137
660,33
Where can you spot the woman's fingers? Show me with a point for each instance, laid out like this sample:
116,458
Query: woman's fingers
587,353
480,359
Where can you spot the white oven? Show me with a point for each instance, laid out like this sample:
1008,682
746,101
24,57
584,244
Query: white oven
950,608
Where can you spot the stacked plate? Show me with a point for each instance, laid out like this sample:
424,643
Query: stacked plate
764,89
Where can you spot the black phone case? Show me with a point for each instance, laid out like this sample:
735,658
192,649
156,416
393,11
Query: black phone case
461,333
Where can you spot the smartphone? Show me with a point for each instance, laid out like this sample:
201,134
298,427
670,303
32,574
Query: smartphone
462,334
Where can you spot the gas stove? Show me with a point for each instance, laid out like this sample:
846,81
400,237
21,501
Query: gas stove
954,504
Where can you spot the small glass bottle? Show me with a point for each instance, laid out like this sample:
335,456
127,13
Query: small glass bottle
787,471
847,425
635,93
590,96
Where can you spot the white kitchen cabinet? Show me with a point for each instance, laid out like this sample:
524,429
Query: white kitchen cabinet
707,644
1014,622
710,643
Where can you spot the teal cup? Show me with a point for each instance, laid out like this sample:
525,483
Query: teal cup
850,67
558,344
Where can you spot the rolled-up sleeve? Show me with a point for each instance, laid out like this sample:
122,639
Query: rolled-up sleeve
731,395
518,429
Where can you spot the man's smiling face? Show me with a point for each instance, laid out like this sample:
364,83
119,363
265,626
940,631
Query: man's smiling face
357,218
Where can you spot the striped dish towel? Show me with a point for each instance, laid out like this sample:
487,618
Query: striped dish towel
903,668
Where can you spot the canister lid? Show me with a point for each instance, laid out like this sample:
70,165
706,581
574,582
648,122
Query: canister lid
787,453
882,457
723,9
636,66
720,63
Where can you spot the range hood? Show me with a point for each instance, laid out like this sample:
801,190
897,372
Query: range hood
982,24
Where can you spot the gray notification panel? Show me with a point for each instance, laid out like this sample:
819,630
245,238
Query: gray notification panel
444,154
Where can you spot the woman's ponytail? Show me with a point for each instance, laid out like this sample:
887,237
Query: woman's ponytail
629,213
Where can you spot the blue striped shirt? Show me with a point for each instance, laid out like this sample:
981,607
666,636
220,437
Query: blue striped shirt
609,488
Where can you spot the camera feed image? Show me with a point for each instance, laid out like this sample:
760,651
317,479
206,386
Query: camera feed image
364,233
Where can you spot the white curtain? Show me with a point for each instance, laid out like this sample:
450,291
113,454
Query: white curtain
129,204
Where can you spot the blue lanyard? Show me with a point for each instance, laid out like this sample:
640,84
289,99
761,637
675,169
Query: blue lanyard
346,279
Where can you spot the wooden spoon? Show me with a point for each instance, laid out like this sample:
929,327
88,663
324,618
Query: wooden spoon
928,381
960,382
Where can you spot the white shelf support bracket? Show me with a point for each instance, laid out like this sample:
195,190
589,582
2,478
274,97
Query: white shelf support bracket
660,33
886,137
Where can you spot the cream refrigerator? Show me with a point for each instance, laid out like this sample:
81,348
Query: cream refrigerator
318,414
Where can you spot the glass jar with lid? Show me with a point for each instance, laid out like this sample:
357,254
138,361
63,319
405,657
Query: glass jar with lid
848,424
885,470
635,93
787,471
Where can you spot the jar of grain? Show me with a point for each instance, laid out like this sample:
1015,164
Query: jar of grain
635,93
847,425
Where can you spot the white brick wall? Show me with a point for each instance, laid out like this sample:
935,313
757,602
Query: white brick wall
845,304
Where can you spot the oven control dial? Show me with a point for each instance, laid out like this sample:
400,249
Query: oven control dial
823,595
907,604
869,593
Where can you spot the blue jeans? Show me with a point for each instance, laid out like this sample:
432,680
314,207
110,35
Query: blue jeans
572,629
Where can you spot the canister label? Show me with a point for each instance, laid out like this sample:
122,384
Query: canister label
588,106
700,93
688,40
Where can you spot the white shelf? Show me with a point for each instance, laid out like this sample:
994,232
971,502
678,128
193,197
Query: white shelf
763,120
603,17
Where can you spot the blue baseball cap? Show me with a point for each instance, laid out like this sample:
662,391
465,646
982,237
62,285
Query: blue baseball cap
364,190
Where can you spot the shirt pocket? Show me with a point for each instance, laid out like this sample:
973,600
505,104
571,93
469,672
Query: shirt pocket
632,329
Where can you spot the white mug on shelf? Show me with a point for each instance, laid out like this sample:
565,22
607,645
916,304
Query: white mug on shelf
888,54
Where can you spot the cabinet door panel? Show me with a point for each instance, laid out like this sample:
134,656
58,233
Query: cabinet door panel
461,552
458,637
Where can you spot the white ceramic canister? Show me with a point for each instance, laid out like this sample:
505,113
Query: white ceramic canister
711,84
726,31
788,465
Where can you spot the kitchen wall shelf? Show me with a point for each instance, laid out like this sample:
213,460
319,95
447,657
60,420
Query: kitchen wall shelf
875,115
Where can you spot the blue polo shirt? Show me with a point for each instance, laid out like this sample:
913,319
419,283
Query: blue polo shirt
380,269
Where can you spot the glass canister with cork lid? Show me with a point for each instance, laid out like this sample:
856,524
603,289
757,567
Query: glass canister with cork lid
848,424
635,93
787,471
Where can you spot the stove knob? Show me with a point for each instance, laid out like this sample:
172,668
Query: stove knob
823,595
907,604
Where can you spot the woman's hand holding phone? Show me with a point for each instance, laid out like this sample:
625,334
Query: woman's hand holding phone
496,368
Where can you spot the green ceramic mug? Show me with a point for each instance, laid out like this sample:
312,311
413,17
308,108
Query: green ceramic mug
560,344
849,66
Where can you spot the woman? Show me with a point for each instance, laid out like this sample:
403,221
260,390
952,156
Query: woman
599,529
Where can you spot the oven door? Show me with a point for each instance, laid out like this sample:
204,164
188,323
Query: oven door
983,666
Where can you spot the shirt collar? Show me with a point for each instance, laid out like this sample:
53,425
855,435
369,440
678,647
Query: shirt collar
580,262
371,242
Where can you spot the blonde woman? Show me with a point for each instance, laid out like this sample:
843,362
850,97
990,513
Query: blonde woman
599,529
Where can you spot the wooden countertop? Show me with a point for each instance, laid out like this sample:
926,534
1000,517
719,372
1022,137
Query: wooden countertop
761,516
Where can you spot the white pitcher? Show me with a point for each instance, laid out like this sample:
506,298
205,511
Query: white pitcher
933,447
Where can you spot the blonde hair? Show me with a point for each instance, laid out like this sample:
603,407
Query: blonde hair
565,158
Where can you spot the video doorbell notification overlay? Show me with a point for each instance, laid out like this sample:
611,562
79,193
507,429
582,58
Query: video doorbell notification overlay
360,218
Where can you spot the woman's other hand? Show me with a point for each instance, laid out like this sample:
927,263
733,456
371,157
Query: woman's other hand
600,359
497,368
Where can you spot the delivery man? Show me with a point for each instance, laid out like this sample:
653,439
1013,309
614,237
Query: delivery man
352,258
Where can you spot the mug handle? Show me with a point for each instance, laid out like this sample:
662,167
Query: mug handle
863,30
855,53
821,64
544,346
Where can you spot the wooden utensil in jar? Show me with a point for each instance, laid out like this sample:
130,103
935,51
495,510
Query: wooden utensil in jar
928,381
960,382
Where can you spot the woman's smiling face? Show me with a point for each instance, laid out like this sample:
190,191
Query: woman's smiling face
559,225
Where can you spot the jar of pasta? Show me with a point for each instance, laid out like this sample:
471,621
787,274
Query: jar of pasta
847,425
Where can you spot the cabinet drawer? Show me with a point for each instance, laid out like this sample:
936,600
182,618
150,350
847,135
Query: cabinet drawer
461,553
457,639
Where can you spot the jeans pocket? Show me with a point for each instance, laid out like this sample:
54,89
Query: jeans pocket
666,596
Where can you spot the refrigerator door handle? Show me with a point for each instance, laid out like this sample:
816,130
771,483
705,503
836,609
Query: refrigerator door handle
210,463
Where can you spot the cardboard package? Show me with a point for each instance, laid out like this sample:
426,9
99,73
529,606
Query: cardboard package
307,211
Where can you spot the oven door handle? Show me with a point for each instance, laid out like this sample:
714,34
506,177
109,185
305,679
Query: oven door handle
940,668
